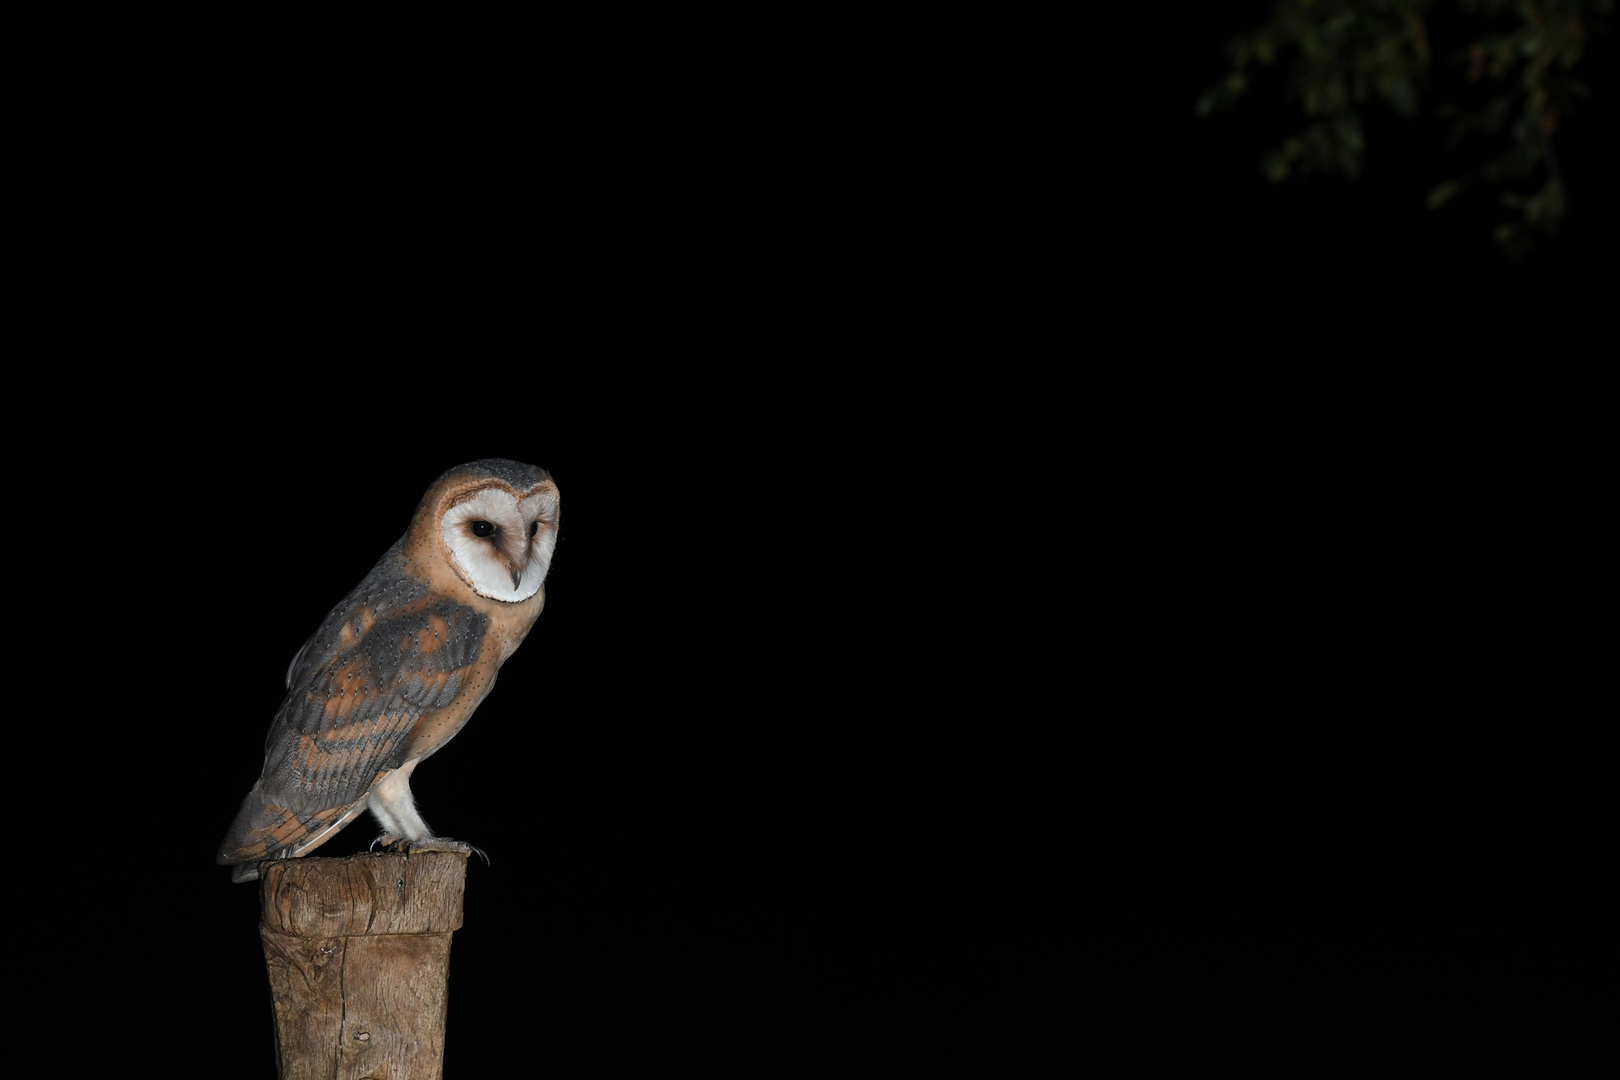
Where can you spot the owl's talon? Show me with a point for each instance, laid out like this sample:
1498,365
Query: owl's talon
441,843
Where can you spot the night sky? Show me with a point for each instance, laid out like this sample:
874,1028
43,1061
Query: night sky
984,495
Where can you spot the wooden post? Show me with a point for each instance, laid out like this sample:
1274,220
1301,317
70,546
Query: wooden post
359,955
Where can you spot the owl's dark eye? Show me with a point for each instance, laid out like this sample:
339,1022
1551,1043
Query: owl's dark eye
534,527
483,528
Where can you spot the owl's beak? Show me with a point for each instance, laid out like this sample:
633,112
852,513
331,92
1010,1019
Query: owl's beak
516,562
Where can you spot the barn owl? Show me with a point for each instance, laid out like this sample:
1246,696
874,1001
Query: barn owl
400,664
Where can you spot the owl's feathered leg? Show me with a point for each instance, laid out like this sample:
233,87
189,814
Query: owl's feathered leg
391,803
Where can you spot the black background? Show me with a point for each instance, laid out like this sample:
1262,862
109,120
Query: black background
1003,537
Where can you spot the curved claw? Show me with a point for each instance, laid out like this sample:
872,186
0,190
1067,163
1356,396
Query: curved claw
441,843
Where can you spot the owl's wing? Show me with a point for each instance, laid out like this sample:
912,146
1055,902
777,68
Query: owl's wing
360,686
292,667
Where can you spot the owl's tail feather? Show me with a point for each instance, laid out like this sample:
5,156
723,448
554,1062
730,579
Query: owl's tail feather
263,829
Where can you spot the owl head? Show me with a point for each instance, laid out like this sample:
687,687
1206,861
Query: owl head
497,523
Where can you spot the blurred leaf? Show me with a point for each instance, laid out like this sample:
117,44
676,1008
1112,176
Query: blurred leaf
1336,55
1442,194
1401,96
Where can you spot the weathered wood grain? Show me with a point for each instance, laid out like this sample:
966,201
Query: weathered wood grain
358,952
